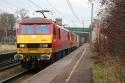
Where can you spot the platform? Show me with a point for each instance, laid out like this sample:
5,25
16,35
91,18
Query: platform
73,68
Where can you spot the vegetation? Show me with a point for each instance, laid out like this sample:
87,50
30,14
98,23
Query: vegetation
22,13
7,47
7,20
111,46
112,27
107,69
8,24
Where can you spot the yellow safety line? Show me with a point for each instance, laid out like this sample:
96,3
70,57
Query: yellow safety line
74,67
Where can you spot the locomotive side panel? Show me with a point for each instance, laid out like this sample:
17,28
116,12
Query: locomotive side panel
61,40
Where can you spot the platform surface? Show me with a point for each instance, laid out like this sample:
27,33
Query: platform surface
73,68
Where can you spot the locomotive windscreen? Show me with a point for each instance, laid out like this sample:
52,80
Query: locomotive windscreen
42,29
27,29
35,29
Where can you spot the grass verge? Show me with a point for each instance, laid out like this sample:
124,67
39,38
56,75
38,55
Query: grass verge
7,47
107,69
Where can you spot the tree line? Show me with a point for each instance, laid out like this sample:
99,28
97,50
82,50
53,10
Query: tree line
8,22
112,24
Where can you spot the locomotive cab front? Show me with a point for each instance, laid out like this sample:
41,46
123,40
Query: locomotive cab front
34,40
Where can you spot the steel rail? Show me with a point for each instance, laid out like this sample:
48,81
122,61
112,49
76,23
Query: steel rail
9,64
14,76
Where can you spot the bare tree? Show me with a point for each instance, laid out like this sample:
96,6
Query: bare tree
7,22
22,13
113,26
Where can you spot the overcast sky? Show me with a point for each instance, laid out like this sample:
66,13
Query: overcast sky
59,8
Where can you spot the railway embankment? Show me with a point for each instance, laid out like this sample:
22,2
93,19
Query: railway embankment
7,47
6,52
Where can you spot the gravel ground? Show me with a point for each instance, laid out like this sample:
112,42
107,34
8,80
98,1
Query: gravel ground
10,72
23,77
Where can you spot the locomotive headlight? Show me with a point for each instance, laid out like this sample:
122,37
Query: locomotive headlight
18,57
43,45
22,45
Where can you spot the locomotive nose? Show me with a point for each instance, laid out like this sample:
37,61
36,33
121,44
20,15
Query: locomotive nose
18,57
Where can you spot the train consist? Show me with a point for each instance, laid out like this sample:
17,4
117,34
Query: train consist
41,40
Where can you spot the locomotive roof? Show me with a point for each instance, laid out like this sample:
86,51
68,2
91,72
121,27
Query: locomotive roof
36,20
40,20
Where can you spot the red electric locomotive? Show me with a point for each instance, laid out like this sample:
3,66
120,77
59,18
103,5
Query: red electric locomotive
42,40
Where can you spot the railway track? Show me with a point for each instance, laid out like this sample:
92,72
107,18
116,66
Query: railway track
13,77
11,66
8,64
